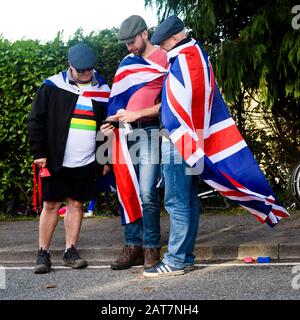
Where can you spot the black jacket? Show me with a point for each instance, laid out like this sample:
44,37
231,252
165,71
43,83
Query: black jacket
49,123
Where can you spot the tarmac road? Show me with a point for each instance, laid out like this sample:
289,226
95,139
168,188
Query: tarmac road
227,281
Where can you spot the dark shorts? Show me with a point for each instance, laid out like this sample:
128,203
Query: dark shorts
76,183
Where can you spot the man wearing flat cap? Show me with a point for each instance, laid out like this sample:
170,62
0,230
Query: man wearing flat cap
181,200
203,141
135,99
68,110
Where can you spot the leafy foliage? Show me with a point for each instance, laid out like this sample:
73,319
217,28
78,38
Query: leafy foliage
256,57
24,65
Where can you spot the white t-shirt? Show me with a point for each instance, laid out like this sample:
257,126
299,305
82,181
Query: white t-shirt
81,142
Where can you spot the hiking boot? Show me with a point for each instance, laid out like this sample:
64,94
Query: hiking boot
130,256
72,259
152,257
43,262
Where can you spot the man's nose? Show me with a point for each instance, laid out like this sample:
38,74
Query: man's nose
87,72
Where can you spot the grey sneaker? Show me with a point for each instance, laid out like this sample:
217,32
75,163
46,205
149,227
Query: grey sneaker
189,267
43,262
72,259
162,270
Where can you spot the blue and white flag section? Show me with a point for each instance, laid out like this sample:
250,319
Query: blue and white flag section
98,92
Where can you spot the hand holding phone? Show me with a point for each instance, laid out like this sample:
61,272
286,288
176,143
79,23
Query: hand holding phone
113,123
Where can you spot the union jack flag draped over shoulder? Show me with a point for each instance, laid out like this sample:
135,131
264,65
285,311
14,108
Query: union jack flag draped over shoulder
133,73
99,91
200,126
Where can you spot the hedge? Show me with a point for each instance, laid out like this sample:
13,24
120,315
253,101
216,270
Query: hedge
24,65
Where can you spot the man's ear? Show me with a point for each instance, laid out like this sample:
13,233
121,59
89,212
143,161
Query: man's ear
175,37
145,34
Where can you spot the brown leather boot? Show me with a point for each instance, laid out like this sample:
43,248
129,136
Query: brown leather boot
130,256
152,257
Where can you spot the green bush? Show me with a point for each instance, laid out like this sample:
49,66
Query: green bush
24,65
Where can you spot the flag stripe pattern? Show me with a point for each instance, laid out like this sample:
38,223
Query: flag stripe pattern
99,92
126,179
133,73
200,126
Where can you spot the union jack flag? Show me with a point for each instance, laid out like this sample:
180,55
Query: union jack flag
133,73
200,126
99,92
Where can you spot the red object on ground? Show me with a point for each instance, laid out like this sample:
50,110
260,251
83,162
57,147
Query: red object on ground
62,211
249,260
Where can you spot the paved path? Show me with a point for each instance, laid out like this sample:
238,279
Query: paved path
220,238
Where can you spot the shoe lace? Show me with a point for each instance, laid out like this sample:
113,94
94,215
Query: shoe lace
151,253
125,251
72,253
43,256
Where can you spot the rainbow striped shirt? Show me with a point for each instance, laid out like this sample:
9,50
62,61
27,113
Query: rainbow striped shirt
81,142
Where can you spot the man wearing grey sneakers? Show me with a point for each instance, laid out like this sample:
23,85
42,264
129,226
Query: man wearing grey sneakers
181,102
66,114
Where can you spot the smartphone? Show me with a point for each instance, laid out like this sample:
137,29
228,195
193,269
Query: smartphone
114,123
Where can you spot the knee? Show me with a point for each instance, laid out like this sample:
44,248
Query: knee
51,206
74,204
149,198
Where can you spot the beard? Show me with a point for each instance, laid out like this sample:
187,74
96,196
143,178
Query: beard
142,48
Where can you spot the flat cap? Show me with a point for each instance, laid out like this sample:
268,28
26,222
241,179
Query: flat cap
81,57
172,25
130,27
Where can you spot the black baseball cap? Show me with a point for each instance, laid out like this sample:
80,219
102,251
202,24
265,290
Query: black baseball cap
81,57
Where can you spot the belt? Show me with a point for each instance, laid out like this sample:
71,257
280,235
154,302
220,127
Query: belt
144,124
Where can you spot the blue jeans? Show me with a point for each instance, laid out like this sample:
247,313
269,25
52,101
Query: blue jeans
182,204
145,155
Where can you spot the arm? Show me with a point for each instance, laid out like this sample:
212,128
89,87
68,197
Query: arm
131,116
37,126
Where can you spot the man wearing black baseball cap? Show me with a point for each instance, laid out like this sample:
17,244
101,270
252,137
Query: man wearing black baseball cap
82,58
66,114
